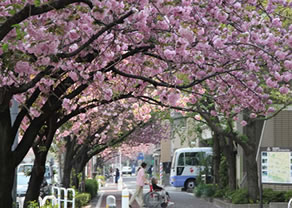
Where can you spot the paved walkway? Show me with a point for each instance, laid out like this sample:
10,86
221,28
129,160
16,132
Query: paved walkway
180,199
109,189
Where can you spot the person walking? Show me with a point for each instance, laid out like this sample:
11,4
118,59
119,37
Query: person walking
117,175
140,181
150,170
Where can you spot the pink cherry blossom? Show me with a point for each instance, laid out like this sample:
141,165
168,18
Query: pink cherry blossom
169,54
187,34
243,123
271,110
108,94
284,90
288,64
173,98
213,113
23,67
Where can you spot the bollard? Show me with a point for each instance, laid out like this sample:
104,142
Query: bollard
120,184
20,201
125,198
99,183
111,202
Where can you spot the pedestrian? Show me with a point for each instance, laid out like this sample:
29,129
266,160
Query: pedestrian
117,175
140,181
164,194
149,171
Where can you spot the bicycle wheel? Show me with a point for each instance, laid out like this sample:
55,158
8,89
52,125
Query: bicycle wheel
152,200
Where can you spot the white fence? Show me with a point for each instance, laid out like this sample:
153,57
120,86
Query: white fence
59,197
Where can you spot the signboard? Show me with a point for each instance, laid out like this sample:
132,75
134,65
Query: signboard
276,166
140,156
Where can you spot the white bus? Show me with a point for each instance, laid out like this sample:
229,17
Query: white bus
187,165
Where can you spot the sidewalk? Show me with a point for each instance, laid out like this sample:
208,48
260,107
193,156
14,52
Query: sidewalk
109,189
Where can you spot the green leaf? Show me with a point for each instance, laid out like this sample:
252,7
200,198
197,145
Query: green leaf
5,47
37,3
15,26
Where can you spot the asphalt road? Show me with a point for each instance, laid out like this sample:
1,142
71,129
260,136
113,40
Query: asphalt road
180,199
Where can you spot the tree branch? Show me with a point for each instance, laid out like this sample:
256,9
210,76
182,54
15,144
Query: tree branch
32,10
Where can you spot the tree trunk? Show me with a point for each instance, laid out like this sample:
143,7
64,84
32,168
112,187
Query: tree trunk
68,161
39,167
7,163
36,180
253,132
231,169
75,179
67,175
7,173
252,174
216,158
229,153
80,162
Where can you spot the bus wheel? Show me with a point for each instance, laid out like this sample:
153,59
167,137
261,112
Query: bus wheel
190,184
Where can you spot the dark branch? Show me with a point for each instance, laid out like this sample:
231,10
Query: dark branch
32,10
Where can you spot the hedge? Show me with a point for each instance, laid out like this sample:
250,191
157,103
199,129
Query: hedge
91,187
82,199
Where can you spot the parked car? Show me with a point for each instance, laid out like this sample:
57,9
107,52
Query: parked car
127,170
22,185
27,167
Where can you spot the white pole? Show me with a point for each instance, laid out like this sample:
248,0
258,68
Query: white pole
113,173
125,198
120,160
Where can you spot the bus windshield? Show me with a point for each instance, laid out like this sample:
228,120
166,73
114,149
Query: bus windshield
174,161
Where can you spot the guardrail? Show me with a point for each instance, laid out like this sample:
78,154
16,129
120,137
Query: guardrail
63,192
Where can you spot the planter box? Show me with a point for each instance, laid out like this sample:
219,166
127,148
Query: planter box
222,204
278,205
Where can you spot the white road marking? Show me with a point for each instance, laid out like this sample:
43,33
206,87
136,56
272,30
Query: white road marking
99,200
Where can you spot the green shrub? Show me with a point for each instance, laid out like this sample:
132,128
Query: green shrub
288,195
273,196
220,192
240,196
91,187
100,177
82,199
204,190
209,190
228,194
198,190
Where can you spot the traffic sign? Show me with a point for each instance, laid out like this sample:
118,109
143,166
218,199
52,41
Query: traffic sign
140,156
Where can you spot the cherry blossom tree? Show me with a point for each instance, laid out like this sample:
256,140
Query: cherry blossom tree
51,51
88,137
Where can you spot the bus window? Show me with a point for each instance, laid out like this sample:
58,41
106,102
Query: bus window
191,158
173,164
181,159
